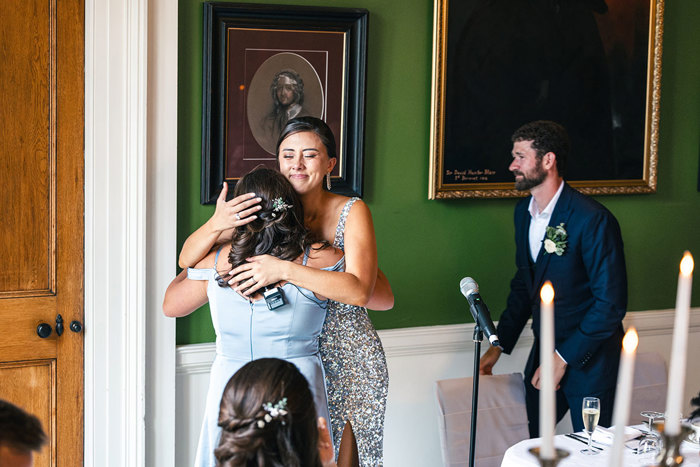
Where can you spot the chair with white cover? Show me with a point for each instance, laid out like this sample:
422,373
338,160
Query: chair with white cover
649,386
501,418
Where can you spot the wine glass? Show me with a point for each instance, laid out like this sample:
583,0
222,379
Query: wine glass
591,414
649,444
648,447
651,415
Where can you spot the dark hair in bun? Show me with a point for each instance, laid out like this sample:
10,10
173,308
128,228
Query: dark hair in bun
285,441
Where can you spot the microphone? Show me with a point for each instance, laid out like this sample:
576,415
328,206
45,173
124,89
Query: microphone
470,289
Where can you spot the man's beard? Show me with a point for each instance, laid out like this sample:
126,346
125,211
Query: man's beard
529,182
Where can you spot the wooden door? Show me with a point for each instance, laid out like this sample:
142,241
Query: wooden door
41,217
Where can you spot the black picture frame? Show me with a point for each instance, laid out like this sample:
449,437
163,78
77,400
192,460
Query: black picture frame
331,43
593,66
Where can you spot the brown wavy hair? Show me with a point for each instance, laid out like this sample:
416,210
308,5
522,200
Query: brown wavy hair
286,441
278,233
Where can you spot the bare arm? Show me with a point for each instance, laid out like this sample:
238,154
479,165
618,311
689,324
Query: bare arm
183,296
382,298
325,447
265,269
354,286
220,226
200,242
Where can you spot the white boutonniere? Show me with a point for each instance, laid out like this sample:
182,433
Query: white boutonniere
555,240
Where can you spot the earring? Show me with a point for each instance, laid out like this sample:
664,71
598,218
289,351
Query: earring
328,181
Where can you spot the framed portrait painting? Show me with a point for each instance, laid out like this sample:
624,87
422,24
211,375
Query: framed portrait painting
593,66
266,64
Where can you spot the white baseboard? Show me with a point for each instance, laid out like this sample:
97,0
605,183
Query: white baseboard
417,357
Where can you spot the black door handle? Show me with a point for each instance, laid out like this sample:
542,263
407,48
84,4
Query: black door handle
59,325
75,326
43,330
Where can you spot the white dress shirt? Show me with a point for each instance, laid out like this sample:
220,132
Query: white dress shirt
538,226
539,222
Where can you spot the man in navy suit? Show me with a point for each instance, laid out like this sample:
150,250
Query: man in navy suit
573,241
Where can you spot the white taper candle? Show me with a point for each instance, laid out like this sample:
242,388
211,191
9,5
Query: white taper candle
623,395
547,398
676,374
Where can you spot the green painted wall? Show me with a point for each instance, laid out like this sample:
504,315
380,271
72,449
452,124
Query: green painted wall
426,247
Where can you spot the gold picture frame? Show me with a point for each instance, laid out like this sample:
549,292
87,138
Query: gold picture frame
491,71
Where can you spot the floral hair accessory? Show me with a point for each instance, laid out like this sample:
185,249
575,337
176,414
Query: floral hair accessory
274,412
555,240
278,205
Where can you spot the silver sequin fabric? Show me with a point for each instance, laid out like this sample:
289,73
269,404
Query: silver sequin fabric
357,379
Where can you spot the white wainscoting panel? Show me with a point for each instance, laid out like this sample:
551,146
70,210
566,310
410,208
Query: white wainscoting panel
417,357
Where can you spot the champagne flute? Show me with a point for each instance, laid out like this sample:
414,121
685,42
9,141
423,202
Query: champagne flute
591,414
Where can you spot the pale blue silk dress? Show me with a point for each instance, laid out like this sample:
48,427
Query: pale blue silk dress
247,331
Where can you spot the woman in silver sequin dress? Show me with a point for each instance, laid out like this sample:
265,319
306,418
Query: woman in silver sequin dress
354,361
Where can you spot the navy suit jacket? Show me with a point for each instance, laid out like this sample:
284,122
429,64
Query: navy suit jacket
590,285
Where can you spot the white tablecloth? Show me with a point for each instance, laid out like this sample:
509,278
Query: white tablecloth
518,455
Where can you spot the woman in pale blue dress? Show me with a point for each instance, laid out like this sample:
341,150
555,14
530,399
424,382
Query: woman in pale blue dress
354,362
252,328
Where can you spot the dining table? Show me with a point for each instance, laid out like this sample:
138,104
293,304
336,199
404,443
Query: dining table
519,455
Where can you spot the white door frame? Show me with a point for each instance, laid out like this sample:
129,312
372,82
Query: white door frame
130,243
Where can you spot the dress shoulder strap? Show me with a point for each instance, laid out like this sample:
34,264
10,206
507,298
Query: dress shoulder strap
306,255
198,274
216,258
339,241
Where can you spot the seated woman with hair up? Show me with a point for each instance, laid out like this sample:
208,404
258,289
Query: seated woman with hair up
267,417
252,327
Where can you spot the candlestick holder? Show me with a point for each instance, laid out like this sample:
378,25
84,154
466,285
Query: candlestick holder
670,454
559,454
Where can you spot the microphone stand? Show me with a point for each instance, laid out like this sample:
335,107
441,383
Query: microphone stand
477,338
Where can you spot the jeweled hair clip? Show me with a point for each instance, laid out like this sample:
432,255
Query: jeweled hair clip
274,412
278,205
